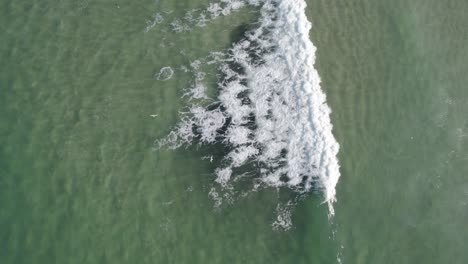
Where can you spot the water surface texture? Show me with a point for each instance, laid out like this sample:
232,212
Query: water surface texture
93,94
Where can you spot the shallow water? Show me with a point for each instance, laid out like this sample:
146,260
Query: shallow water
82,180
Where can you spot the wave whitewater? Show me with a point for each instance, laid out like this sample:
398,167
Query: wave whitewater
270,112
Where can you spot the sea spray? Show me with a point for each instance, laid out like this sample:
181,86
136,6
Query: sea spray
270,112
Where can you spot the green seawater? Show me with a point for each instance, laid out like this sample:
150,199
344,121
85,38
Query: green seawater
82,181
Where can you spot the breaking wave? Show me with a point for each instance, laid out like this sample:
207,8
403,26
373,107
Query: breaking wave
270,113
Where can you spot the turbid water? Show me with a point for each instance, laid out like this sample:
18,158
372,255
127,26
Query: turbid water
88,89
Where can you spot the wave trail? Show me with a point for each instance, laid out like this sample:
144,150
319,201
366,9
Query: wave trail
270,111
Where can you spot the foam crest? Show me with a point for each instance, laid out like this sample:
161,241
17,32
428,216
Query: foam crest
270,111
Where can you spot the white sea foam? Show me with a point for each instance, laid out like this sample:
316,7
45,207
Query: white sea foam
157,19
164,74
270,111
283,216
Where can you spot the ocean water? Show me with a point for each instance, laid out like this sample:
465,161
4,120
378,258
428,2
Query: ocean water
206,131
